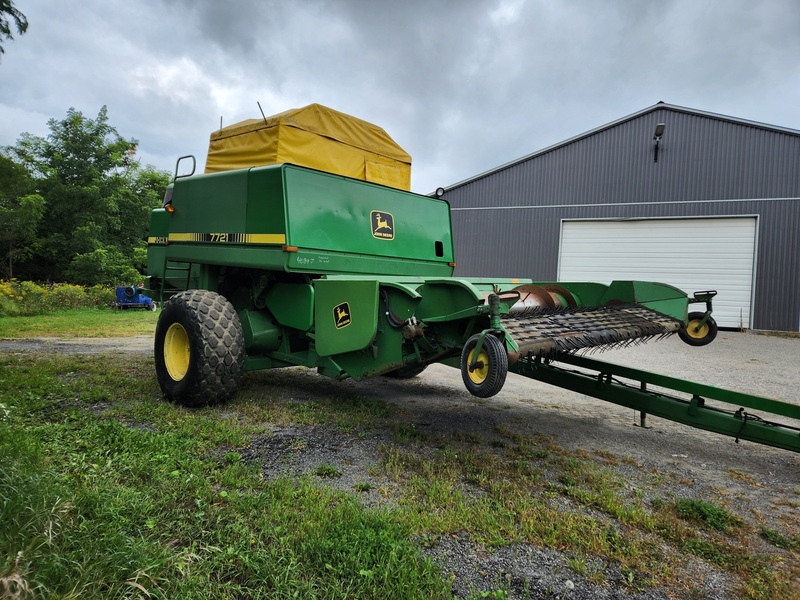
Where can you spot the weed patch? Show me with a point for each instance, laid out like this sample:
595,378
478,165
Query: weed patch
708,514
780,541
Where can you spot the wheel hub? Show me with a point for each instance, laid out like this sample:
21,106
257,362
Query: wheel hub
697,332
481,371
176,351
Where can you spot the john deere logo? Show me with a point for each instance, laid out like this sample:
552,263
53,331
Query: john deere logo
382,225
341,315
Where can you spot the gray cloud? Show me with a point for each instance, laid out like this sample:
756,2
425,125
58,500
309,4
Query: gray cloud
463,87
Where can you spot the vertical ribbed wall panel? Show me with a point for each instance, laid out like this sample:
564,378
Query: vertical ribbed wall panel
706,167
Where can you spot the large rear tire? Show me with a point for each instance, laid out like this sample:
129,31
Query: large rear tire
488,377
698,336
199,348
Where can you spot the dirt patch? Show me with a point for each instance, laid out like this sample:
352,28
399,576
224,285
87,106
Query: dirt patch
344,461
140,344
760,484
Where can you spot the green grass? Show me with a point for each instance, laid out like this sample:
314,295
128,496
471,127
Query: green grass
89,322
107,491
327,471
781,541
706,513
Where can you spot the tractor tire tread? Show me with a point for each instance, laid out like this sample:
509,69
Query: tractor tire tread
706,339
498,366
216,343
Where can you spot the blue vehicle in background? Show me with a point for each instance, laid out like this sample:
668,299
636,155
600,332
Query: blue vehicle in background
129,296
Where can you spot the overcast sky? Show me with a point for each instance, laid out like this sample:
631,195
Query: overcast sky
462,85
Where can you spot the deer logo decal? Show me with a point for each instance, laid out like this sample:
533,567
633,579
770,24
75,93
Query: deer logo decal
382,225
341,315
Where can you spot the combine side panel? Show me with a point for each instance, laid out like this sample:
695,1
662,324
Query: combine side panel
346,315
211,221
659,297
221,196
157,243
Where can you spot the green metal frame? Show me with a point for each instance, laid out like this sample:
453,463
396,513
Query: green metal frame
602,383
496,309
703,297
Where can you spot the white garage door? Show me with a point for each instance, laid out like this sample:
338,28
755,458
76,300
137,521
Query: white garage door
691,254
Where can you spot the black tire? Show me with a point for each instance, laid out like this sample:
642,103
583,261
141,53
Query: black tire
199,348
153,306
406,372
694,337
487,379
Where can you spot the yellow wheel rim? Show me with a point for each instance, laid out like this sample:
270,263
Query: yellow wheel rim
696,333
176,351
480,373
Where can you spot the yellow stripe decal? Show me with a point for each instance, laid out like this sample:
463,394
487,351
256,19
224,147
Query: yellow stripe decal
229,238
180,237
266,238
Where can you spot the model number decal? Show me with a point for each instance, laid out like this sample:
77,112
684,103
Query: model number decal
229,238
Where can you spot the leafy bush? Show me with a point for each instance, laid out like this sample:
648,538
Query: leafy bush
25,298
101,296
105,265
66,296
22,298
8,304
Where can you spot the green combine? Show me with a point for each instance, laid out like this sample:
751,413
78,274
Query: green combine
277,265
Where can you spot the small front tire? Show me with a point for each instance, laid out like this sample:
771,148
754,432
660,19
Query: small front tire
698,336
489,375
199,348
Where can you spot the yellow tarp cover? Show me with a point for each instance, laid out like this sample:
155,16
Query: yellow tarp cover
313,136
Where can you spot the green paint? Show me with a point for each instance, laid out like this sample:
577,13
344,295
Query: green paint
346,315
604,383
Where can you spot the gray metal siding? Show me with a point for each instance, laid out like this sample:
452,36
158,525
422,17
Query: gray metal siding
706,167
521,242
699,158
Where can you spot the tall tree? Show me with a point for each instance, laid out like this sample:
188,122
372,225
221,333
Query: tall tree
97,196
9,13
20,214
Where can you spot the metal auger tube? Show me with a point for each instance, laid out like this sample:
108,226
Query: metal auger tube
536,299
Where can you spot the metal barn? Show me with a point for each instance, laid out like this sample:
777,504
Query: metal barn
672,194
